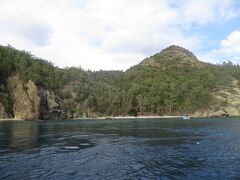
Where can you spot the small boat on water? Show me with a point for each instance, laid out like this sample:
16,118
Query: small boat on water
186,117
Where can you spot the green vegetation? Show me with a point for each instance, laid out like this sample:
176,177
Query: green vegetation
169,83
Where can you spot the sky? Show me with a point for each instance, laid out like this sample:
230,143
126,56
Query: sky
117,34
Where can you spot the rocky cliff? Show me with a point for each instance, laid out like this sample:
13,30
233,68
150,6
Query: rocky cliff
49,105
31,102
227,102
2,111
26,100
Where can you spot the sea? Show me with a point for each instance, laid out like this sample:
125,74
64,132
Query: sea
199,148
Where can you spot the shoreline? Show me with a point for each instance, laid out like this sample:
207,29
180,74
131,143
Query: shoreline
101,118
112,118
12,119
127,117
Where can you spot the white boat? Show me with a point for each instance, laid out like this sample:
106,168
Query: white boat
186,117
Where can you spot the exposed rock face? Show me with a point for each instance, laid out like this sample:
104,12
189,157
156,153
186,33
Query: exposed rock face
31,102
227,103
49,105
26,100
229,100
32,93
2,111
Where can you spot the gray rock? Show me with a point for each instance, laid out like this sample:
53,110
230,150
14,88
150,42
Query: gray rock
2,111
49,105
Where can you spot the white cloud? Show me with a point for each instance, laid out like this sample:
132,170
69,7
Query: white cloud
229,50
232,43
105,34
205,11
34,30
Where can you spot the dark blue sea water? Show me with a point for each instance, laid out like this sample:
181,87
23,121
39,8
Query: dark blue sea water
121,149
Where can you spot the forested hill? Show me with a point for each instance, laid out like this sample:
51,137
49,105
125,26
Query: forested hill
172,82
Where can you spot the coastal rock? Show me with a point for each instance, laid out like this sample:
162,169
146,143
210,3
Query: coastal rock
32,92
52,100
26,100
49,105
227,103
2,111
229,100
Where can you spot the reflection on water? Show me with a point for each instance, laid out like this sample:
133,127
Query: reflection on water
120,149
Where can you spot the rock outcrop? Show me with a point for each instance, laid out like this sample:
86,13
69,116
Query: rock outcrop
31,102
49,105
2,111
227,102
26,99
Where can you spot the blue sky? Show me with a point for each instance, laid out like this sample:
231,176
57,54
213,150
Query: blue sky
107,34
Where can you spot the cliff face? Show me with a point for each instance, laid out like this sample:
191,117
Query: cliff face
26,100
2,111
49,105
227,102
31,102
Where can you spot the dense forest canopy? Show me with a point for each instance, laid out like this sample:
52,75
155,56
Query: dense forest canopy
169,83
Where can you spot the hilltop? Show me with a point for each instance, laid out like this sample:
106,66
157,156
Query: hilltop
173,55
171,82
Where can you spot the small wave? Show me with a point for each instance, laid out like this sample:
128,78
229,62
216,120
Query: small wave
71,147
85,144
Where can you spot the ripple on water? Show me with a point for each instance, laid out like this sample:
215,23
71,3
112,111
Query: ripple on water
79,147
85,144
75,145
70,147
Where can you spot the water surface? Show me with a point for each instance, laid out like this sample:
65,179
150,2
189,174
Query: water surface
121,149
